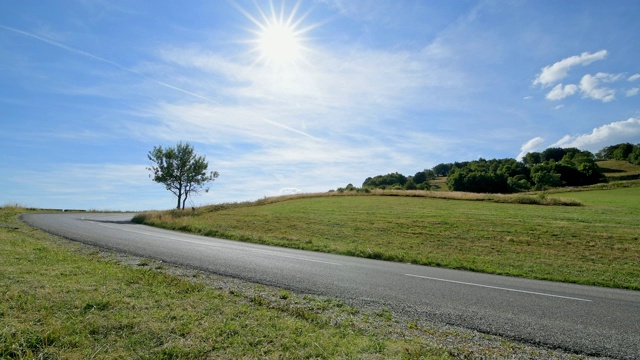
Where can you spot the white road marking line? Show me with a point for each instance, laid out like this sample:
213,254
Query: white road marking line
267,252
295,257
499,288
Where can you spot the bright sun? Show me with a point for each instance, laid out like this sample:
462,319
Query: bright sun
279,38
278,43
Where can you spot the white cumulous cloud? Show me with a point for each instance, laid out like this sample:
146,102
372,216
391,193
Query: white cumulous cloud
613,133
632,92
551,74
560,91
589,86
532,145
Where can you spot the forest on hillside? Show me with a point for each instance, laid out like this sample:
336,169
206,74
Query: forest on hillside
553,167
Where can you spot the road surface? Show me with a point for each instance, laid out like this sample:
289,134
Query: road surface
581,319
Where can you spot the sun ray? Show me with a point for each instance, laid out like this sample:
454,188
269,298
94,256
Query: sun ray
279,35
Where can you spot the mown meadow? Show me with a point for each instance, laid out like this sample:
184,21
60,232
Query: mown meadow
596,241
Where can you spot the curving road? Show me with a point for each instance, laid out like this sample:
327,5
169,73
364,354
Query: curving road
582,319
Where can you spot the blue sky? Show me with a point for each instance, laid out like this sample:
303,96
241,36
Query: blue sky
304,96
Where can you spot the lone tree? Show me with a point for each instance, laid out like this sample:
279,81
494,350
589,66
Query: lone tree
180,170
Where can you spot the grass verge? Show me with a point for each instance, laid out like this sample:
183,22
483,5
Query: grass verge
60,299
595,244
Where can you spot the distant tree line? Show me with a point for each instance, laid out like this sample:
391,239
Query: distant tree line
554,167
419,181
626,152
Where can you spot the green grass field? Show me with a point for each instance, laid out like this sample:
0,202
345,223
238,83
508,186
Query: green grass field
595,244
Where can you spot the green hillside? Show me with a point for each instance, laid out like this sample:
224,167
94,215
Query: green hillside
596,243
619,170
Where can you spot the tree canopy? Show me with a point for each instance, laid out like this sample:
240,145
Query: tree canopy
398,181
385,181
181,171
626,152
553,167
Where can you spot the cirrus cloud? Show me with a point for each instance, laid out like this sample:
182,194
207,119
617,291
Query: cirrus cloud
632,92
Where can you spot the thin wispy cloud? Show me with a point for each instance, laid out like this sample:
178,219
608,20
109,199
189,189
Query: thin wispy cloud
334,98
67,183
104,60
68,48
632,92
133,71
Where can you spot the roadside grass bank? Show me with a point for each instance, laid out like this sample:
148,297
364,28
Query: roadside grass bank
597,243
61,299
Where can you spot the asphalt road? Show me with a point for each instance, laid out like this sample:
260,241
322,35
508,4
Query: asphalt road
581,319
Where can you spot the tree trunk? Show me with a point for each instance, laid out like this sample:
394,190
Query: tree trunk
179,198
